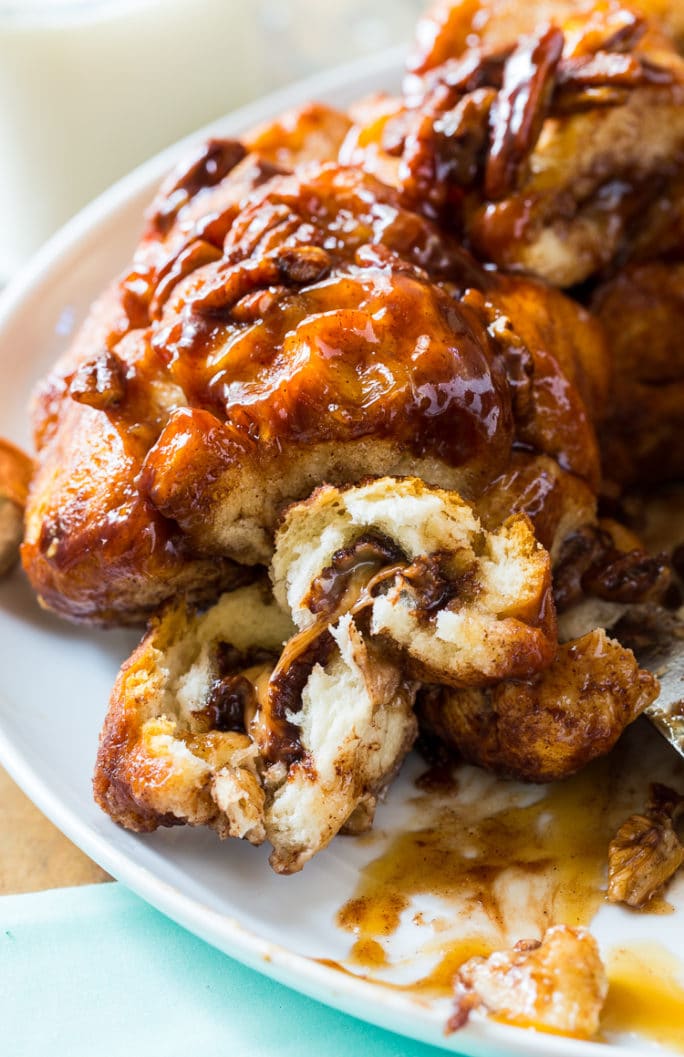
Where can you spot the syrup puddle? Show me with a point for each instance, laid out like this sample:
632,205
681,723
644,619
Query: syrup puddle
485,863
646,995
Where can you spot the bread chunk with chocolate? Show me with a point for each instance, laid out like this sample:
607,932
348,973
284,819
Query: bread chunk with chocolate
214,721
457,604
355,724
175,746
238,719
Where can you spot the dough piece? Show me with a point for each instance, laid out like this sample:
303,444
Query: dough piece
460,605
558,985
16,470
547,727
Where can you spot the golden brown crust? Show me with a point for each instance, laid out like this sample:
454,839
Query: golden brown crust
642,311
552,725
95,549
557,503
312,132
16,470
160,761
315,333
551,133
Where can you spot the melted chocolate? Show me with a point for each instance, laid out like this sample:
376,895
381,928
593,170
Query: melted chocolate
285,697
232,697
368,554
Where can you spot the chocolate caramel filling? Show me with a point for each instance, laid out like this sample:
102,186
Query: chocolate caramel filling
345,586
234,694
350,569
348,585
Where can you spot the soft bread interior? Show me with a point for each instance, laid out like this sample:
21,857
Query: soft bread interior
497,620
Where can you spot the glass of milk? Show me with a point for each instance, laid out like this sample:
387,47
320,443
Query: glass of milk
89,88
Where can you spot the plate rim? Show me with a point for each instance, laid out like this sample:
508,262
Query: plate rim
354,995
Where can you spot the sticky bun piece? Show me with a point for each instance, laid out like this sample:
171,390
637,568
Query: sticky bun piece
95,549
212,723
327,336
544,132
295,743
646,852
457,604
16,470
642,311
555,985
174,748
549,726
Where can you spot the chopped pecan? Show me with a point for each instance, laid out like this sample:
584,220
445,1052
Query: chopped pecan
436,586
254,306
628,578
302,265
233,697
590,563
193,256
229,286
520,108
646,851
100,383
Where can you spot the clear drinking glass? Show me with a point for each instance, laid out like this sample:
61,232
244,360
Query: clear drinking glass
89,88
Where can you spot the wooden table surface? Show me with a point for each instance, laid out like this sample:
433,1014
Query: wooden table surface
34,855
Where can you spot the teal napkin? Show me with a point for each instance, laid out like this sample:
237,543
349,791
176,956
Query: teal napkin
94,971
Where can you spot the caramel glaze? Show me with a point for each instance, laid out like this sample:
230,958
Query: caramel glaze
466,863
508,868
312,311
365,353
646,994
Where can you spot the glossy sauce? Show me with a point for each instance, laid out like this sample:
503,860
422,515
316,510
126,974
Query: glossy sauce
646,994
506,866
351,356
550,853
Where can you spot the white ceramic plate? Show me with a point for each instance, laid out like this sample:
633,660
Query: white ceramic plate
55,681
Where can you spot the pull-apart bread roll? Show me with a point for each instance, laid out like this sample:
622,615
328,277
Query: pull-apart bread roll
309,328
549,134
174,749
642,311
217,720
95,547
459,605
551,725
16,470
